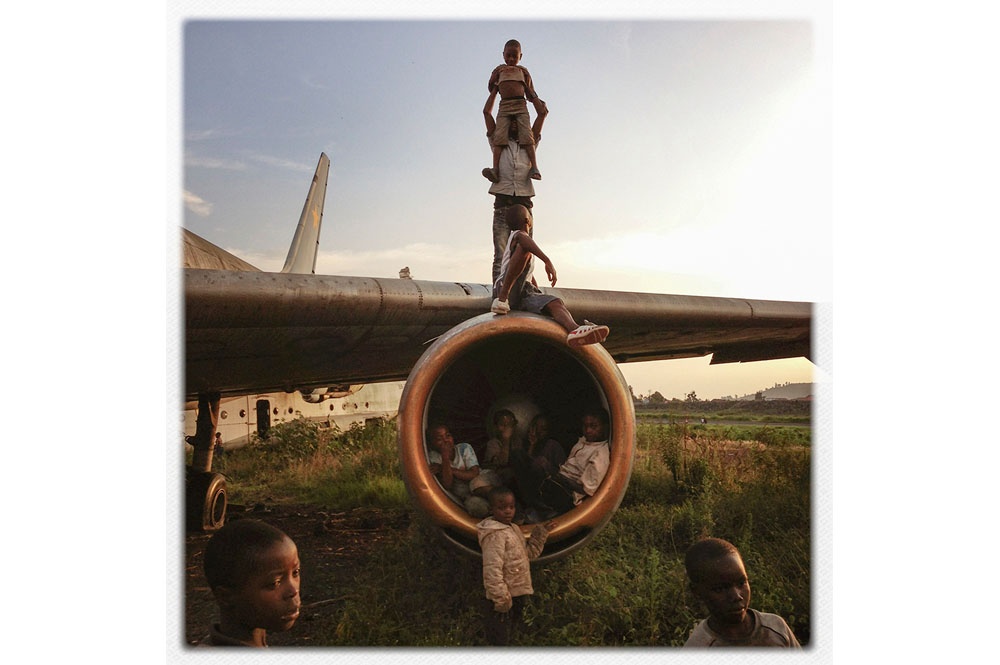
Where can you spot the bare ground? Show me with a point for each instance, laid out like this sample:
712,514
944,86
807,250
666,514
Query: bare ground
333,547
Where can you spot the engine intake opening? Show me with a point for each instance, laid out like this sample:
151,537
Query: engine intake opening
519,362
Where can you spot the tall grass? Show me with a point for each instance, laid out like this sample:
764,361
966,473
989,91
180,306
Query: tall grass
626,587
300,461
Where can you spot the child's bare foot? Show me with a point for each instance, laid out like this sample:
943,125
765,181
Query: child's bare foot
490,174
535,174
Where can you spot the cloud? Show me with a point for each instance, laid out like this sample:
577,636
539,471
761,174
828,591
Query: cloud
197,205
202,135
282,163
310,81
214,163
426,261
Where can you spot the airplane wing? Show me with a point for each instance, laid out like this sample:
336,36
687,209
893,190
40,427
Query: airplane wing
265,332
252,331
248,331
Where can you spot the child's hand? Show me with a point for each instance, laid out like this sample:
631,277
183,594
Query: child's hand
447,451
550,270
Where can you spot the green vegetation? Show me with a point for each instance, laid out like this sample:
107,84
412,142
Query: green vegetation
626,587
762,411
301,462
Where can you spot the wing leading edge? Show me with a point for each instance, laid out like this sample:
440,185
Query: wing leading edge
264,332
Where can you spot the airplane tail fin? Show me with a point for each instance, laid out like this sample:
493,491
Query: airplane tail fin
305,245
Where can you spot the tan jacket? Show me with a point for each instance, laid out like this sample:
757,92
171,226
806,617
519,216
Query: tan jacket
506,560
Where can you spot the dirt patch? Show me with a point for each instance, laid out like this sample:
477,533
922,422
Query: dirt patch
333,548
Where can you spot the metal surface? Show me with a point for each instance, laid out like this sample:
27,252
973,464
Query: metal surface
505,354
265,332
305,243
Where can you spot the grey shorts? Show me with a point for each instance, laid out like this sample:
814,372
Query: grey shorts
531,299
525,296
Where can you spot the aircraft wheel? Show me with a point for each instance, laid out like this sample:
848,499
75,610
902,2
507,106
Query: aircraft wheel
206,500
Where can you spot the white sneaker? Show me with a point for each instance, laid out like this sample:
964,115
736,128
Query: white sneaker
500,306
588,333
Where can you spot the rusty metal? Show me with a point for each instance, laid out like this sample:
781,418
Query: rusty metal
267,332
579,524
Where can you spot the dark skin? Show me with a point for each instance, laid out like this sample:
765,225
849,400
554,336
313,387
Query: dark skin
593,430
507,89
541,110
522,249
442,441
503,507
268,600
724,588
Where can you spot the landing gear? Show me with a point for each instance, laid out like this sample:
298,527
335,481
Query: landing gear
206,500
205,495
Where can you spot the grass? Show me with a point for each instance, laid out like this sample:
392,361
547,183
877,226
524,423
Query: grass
301,462
627,587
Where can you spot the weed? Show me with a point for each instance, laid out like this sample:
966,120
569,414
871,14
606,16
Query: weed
627,587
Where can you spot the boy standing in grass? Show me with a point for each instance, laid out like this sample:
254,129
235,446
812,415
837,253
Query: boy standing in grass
506,565
253,571
717,577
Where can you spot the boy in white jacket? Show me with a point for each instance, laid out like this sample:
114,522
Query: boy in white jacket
506,565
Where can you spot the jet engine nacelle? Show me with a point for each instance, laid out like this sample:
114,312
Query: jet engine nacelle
521,362
319,395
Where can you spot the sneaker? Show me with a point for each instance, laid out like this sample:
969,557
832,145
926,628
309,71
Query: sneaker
500,306
588,333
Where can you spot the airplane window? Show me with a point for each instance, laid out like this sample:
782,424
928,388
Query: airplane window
243,413
224,415
275,410
331,407
291,410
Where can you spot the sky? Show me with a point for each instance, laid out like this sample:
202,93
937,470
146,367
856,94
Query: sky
686,156
94,148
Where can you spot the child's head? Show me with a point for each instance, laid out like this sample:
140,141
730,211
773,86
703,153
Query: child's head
437,435
595,425
518,218
504,422
538,429
502,504
512,52
717,577
253,571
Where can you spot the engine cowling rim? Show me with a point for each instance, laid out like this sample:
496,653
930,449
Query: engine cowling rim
588,517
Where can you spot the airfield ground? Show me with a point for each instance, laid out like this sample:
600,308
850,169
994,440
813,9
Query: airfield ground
332,548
